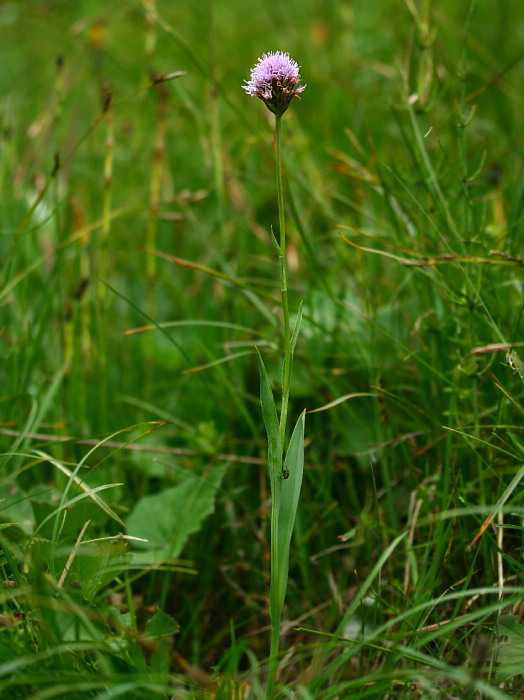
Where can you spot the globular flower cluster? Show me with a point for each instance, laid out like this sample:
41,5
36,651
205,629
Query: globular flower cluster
275,79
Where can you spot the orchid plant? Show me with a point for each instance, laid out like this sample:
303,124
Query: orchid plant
275,79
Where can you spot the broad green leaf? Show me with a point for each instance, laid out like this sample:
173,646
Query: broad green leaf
510,652
94,565
64,506
289,495
123,620
167,519
72,627
269,414
97,564
16,508
161,625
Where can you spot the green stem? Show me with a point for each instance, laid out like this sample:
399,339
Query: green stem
273,660
275,619
286,377
286,370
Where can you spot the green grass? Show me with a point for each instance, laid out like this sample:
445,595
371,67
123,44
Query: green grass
138,281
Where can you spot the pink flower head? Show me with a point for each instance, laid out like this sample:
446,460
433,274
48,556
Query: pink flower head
275,79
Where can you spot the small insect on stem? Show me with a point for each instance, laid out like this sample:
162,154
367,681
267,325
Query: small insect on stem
285,473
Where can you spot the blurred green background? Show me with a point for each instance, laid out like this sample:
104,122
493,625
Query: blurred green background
408,142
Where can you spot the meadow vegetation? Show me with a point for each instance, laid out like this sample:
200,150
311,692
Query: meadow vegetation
138,282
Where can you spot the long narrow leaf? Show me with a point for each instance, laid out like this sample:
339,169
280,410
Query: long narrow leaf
269,414
289,493
375,571
500,503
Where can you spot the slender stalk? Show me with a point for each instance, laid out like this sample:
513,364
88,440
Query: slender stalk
286,377
286,370
101,257
108,186
155,190
150,38
275,621
464,120
155,196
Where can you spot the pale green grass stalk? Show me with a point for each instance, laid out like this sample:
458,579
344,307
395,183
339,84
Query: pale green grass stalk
80,315
155,193
100,256
150,34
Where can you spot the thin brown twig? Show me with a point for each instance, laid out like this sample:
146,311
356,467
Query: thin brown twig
494,347
126,446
